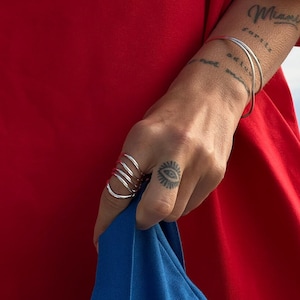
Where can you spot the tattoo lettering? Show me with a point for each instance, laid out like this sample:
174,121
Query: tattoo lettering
257,12
240,62
258,37
205,61
238,78
169,174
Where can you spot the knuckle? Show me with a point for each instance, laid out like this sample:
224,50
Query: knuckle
184,137
214,164
174,216
144,128
181,141
175,139
139,127
208,155
161,209
218,172
205,153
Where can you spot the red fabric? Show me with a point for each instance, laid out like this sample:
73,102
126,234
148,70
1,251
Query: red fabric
249,227
74,77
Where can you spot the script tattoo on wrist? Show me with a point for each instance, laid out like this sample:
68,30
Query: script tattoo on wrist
205,61
258,12
216,64
169,174
240,62
238,78
258,38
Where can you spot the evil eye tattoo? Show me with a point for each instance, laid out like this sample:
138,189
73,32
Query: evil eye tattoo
169,174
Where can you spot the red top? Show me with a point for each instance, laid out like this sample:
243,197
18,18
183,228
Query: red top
74,77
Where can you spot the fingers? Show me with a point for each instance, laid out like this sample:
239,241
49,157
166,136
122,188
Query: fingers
208,182
120,189
159,199
175,189
109,209
171,192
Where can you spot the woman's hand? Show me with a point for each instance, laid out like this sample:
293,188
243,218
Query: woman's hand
184,141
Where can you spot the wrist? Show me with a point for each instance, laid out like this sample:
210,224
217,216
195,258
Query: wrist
202,82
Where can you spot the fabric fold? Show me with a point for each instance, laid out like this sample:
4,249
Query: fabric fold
135,264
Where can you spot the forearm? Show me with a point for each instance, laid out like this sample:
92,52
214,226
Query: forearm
270,28
189,131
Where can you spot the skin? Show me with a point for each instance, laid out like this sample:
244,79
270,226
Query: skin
185,138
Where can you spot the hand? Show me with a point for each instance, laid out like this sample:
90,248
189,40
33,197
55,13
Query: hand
184,141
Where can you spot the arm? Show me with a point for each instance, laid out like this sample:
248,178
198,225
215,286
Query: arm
193,124
270,28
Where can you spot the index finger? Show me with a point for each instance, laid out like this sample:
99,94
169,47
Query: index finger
120,189
159,199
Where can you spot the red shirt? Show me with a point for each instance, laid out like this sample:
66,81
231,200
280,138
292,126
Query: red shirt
74,77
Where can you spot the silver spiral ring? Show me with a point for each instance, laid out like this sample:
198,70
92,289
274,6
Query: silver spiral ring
130,178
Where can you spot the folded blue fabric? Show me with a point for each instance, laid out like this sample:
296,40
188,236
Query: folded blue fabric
141,265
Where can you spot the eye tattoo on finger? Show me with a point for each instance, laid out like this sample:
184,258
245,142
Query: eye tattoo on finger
169,174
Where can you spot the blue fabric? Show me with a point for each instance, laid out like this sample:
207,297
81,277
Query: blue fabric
141,265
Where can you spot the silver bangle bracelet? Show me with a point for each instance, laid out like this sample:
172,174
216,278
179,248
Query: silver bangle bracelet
251,56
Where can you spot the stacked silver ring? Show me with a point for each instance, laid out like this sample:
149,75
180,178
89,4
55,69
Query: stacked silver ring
130,179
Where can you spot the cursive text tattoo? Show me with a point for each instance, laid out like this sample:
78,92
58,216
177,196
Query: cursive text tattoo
238,78
240,62
257,12
216,64
205,61
258,38
169,174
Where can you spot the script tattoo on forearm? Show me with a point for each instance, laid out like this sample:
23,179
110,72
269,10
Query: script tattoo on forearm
238,78
205,61
216,64
240,62
258,38
169,174
258,12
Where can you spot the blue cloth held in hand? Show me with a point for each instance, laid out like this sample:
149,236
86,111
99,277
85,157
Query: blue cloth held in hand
141,265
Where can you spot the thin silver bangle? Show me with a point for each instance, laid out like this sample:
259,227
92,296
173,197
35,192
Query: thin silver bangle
250,54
